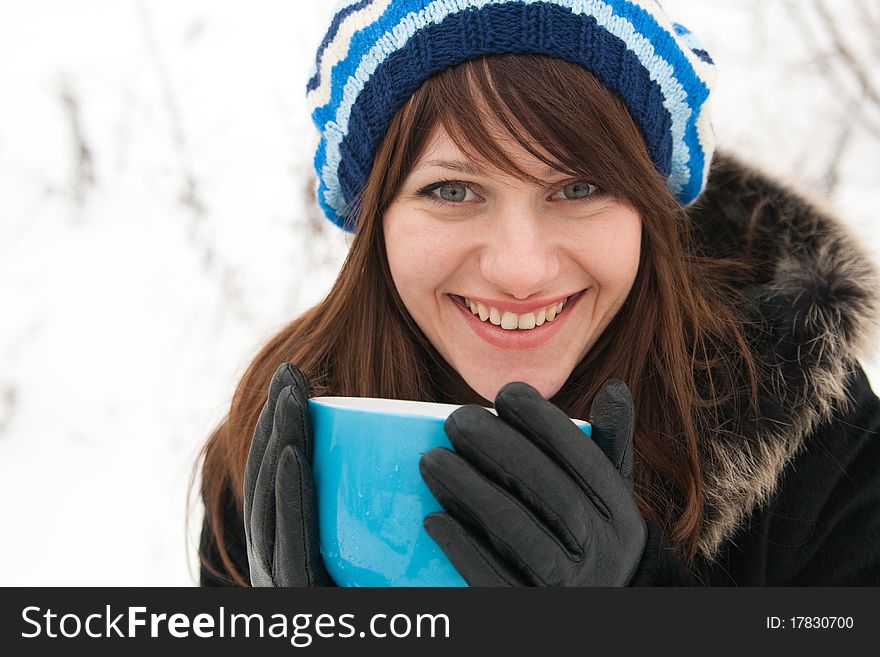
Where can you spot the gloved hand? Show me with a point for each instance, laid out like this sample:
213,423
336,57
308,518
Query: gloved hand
280,520
529,500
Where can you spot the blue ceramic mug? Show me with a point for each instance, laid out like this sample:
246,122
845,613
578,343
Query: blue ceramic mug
370,494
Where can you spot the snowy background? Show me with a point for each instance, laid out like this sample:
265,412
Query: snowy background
156,228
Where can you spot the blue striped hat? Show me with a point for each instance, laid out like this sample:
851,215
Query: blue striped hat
377,53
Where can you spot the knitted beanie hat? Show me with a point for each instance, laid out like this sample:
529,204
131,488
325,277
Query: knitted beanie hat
377,53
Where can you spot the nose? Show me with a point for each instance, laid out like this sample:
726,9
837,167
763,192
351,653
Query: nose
520,256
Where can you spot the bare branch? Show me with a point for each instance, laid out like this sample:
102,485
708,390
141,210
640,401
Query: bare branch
844,137
831,73
190,196
9,397
83,176
856,67
871,21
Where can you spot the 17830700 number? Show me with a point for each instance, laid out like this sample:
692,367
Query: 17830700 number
810,623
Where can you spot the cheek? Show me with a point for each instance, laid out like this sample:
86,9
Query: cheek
396,239
624,267
610,253
419,258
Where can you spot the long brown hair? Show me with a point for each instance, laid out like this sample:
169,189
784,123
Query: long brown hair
675,342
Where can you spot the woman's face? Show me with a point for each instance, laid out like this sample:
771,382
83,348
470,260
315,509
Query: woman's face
461,233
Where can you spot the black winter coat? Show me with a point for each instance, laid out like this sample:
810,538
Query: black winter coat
793,495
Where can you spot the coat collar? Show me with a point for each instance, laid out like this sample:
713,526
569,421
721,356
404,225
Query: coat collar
811,312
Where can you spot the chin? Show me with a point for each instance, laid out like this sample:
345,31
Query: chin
547,385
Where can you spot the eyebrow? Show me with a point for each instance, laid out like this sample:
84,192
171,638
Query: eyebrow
470,169
455,165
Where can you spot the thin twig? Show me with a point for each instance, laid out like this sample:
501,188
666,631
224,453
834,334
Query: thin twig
871,23
830,73
841,45
8,406
83,177
190,195
844,136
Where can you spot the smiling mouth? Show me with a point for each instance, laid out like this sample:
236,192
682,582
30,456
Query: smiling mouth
509,321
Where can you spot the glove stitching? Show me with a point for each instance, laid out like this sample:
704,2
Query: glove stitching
476,547
302,424
576,554
251,476
277,459
300,381
475,521
265,510
267,568
264,514
302,517
594,497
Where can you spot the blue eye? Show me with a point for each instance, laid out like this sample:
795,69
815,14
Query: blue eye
448,191
453,193
577,190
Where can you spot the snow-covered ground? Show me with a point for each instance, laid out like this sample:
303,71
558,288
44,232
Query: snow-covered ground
154,231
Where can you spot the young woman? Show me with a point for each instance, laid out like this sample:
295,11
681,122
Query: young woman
540,223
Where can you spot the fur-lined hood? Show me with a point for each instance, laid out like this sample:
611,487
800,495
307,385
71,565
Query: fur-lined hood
812,312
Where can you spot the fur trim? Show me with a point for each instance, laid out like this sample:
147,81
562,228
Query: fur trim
813,309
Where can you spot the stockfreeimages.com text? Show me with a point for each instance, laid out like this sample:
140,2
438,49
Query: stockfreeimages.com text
301,629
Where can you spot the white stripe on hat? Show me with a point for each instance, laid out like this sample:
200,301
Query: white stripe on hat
337,49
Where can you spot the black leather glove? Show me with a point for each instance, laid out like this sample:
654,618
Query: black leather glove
280,520
529,500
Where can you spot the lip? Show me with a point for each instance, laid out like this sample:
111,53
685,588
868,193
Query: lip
519,307
516,339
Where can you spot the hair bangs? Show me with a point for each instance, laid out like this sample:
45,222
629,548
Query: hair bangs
557,112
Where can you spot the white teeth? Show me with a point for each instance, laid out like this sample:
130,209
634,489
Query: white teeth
527,321
510,321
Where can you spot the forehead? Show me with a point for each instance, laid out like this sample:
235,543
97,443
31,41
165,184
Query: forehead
443,152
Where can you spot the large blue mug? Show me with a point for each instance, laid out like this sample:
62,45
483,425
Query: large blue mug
370,494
